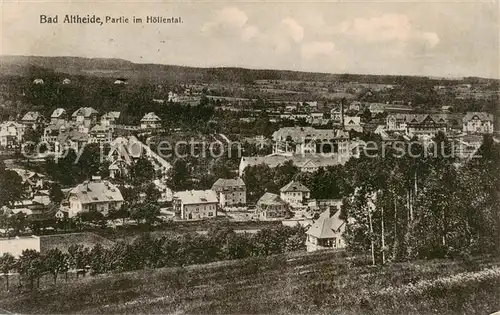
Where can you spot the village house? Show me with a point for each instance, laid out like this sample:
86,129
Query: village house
109,119
396,122
326,232
38,81
70,138
377,108
336,115
85,117
52,131
230,192
66,81
355,106
100,134
120,81
172,97
94,195
425,125
302,140
478,122
58,116
294,193
271,207
31,181
304,162
195,204
353,123
32,120
11,134
34,203
16,245
150,121
322,204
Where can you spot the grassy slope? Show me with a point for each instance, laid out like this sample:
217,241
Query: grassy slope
64,241
321,283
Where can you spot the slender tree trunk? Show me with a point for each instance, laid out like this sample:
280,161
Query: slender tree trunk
7,280
383,237
443,217
416,183
395,248
371,237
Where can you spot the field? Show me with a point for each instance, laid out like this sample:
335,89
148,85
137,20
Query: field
63,241
300,283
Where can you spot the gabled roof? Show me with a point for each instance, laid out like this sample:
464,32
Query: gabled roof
299,134
58,112
150,117
96,191
111,115
84,111
421,118
270,199
27,175
327,227
298,160
228,183
31,116
99,128
481,115
294,186
196,196
11,123
72,135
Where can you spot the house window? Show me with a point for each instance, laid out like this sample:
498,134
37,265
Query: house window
190,216
210,214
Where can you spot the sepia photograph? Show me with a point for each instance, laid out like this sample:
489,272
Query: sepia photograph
250,157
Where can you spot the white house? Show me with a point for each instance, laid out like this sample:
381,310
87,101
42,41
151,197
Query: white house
32,119
86,117
94,195
397,122
478,122
353,123
58,116
294,193
16,245
11,134
195,204
326,232
110,118
150,121
230,192
100,134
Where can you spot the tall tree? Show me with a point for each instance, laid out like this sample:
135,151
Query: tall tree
7,263
56,262
56,195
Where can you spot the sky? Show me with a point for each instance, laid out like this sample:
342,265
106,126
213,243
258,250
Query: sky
444,39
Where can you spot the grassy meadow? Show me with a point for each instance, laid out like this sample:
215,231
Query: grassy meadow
306,283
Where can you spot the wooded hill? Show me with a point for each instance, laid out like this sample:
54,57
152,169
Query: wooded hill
36,66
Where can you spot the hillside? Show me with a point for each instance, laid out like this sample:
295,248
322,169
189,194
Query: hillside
299,283
110,67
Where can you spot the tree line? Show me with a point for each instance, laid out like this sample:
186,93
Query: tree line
401,208
426,207
147,251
